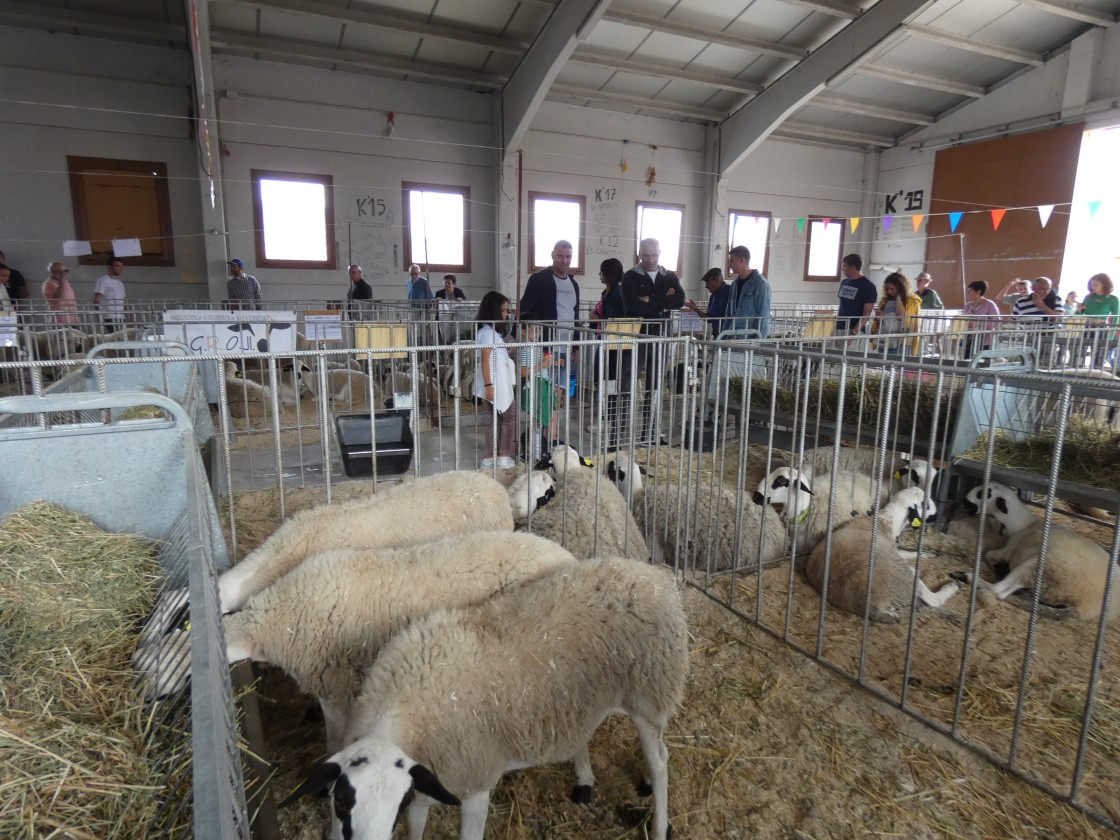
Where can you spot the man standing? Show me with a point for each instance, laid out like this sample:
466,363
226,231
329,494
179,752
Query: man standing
748,308
419,292
243,288
857,298
718,293
930,298
553,295
359,290
59,295
16,285
109,295
649,292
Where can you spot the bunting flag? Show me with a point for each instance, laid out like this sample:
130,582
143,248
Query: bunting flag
997,217
777,224
887,223
917,221
853,223
955,219
801,225
1094,206
1044,211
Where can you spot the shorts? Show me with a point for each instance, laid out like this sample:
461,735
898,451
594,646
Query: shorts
545,394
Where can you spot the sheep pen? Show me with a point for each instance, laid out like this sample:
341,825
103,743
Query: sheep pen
769,744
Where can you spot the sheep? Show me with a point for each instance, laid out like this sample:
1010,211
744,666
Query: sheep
808,505
57,344
626,475
289,384
324,621
1076,572
1092,409
351,387
588,515
893,581
913,473
530,492
468,502
522,680
245,397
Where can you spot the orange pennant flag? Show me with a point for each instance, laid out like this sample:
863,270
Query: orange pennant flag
853,223
917,220
997,217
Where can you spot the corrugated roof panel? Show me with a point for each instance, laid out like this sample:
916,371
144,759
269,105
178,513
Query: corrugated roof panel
770,20
239,18
317,30
616,37
584,75
895,95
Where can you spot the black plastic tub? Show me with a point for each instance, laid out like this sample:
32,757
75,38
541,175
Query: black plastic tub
394,443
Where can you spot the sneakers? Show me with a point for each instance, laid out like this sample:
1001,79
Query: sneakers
487,463
505,462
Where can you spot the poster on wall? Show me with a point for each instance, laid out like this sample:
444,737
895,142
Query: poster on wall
231,333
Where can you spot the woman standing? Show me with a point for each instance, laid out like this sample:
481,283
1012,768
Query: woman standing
1101,303
979,331
494,378
898,312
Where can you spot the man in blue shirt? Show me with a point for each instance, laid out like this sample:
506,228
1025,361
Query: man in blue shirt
718,294
857,298
748,305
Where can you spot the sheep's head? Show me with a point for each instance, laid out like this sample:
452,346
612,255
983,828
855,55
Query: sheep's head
371,783
914,473
786,486
564,458
530,492
1002,504
621,469
910,508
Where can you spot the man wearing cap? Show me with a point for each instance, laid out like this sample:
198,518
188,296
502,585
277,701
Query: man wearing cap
243,288
930,298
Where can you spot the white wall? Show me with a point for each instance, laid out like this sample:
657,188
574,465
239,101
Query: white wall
94,98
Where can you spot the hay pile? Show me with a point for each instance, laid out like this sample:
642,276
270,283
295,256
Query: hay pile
1090,453
914,404
74,753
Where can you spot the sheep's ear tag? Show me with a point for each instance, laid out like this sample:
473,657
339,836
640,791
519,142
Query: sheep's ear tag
916,522
898,475
586,461
801,517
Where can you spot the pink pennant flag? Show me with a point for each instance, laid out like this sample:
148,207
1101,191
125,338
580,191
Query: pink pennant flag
917,220
1044,211
853,223
997,217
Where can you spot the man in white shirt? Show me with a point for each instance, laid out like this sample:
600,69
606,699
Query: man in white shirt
109,295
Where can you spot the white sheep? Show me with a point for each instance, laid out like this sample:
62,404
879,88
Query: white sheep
626,475
522,680
393,517
324,622
588,515
61,343
913,473
805,500
1076,572
893,580
290,386
245,397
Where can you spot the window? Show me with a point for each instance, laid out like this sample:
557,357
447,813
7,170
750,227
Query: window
437,224
121,199
826,242
552,218
665,223
293,215
746,227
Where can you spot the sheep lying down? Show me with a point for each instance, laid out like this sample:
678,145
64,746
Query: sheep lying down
1076,572
465,695
892,584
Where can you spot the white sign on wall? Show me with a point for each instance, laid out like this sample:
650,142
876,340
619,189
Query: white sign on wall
231,333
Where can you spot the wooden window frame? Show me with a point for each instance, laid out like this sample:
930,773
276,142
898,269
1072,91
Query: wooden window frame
327,182
660,205
465,192
80,166
579,247
760,214
821,278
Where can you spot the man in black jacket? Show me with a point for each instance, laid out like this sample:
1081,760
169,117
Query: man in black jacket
649,292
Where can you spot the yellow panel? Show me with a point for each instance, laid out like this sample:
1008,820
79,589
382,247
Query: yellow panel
619,327
820,326
392,339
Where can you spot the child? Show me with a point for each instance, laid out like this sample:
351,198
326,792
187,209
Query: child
495,378
539,394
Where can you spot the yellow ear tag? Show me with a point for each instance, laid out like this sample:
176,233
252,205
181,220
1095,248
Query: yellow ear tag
801,517
187,626
915,522
898,474
586,461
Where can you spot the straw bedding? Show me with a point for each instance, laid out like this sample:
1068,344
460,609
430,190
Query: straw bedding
75,759
770,745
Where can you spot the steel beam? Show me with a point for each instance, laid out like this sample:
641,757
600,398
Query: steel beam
922,80
744,130
51,18
706,36
962,42
661,71
570,22
675,108
833,136
868,109
1073,10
